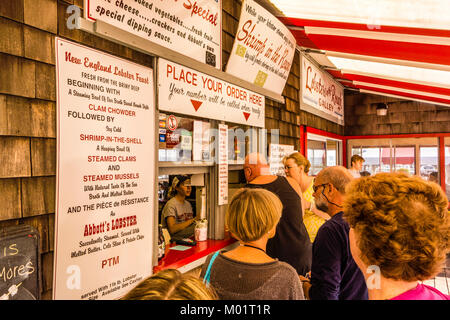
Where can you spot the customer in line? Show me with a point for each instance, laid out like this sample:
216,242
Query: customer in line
248,272
399,235
334,273
171,284
297,167
357,164
291,243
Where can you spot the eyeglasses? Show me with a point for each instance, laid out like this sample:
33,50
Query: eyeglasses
315,188
288,167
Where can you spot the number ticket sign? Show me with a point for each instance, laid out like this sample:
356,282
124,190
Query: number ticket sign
105,174
186,91
192,27
263,49
320,91
223,165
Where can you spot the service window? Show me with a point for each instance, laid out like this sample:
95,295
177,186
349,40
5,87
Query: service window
183,139
376,159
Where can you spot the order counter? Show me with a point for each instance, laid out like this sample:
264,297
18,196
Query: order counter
192,257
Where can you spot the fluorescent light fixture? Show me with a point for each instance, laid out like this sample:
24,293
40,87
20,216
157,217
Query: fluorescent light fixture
427,14
432,77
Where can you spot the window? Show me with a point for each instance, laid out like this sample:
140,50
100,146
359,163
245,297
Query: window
316,156
323,152
376,159
183,139
429,163
404,159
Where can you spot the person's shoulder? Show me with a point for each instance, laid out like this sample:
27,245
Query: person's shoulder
287,269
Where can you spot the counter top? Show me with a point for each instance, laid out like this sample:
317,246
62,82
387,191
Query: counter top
175,259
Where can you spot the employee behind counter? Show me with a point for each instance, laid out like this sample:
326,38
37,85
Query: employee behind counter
177,214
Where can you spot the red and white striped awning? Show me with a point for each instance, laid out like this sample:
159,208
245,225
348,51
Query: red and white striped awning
397,48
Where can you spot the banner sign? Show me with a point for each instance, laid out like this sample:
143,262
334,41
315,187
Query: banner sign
276,154
186,91
223,165
263,49
105,174
191,27
320,91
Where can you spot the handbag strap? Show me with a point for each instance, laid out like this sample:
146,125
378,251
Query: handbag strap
208,271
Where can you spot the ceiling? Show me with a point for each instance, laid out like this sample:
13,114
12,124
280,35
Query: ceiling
398,48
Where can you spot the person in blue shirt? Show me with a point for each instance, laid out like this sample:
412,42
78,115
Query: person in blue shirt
334,273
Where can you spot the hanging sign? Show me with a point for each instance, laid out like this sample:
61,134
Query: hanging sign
321,91
192,27
105,174
263,49
276,155
186,91
223,165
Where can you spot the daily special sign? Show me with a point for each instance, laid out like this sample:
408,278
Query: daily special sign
105,174
186,91
192,27
263,49
320,91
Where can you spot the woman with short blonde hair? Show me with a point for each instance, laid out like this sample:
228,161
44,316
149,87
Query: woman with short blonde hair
297,167
401,225
247,272
171,284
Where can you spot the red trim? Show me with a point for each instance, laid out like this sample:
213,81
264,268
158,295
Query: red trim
404,94
411,135
297,22
324,133
177,259
394,83
442,162
302,140
344,152
429,53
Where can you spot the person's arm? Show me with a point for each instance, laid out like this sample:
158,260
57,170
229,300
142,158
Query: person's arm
326,266
174,227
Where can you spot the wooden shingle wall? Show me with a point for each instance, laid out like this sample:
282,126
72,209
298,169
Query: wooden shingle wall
403,117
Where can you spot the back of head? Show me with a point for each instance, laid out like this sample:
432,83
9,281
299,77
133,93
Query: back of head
171,284
300,160
402,224
252,213
338,176
255,165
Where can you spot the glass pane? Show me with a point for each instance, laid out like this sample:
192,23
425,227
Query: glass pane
371,159
316,155
332,151
429,160
404,160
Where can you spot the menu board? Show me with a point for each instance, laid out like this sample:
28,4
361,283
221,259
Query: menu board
223,164
193,28
187,91
105,173
263,49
